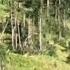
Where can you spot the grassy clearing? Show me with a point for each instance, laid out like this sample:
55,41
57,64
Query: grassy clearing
34,62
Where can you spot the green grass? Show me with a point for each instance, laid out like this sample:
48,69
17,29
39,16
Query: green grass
34,62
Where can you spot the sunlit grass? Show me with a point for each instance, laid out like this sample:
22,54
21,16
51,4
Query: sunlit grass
35,62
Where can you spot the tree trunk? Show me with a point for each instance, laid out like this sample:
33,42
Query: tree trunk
40,25
13,24
19,38
30,33
48,8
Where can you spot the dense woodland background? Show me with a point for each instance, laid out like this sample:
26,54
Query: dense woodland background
34,34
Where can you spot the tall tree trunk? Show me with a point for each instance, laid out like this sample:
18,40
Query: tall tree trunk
13,24
30,33
64,19
40,34
48,2
59,20
40,25
24,19
19,38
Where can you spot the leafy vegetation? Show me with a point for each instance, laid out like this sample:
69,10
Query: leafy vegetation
35,34
35,62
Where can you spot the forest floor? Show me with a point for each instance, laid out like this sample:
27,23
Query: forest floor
35,62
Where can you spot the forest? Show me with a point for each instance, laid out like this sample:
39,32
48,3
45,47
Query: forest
34,34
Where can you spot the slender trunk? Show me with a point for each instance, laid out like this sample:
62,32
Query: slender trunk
47,12
40,35
24,19
19,38
56,12
59,20
30,32
40,25
16,39
12,22
64,18
48,8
